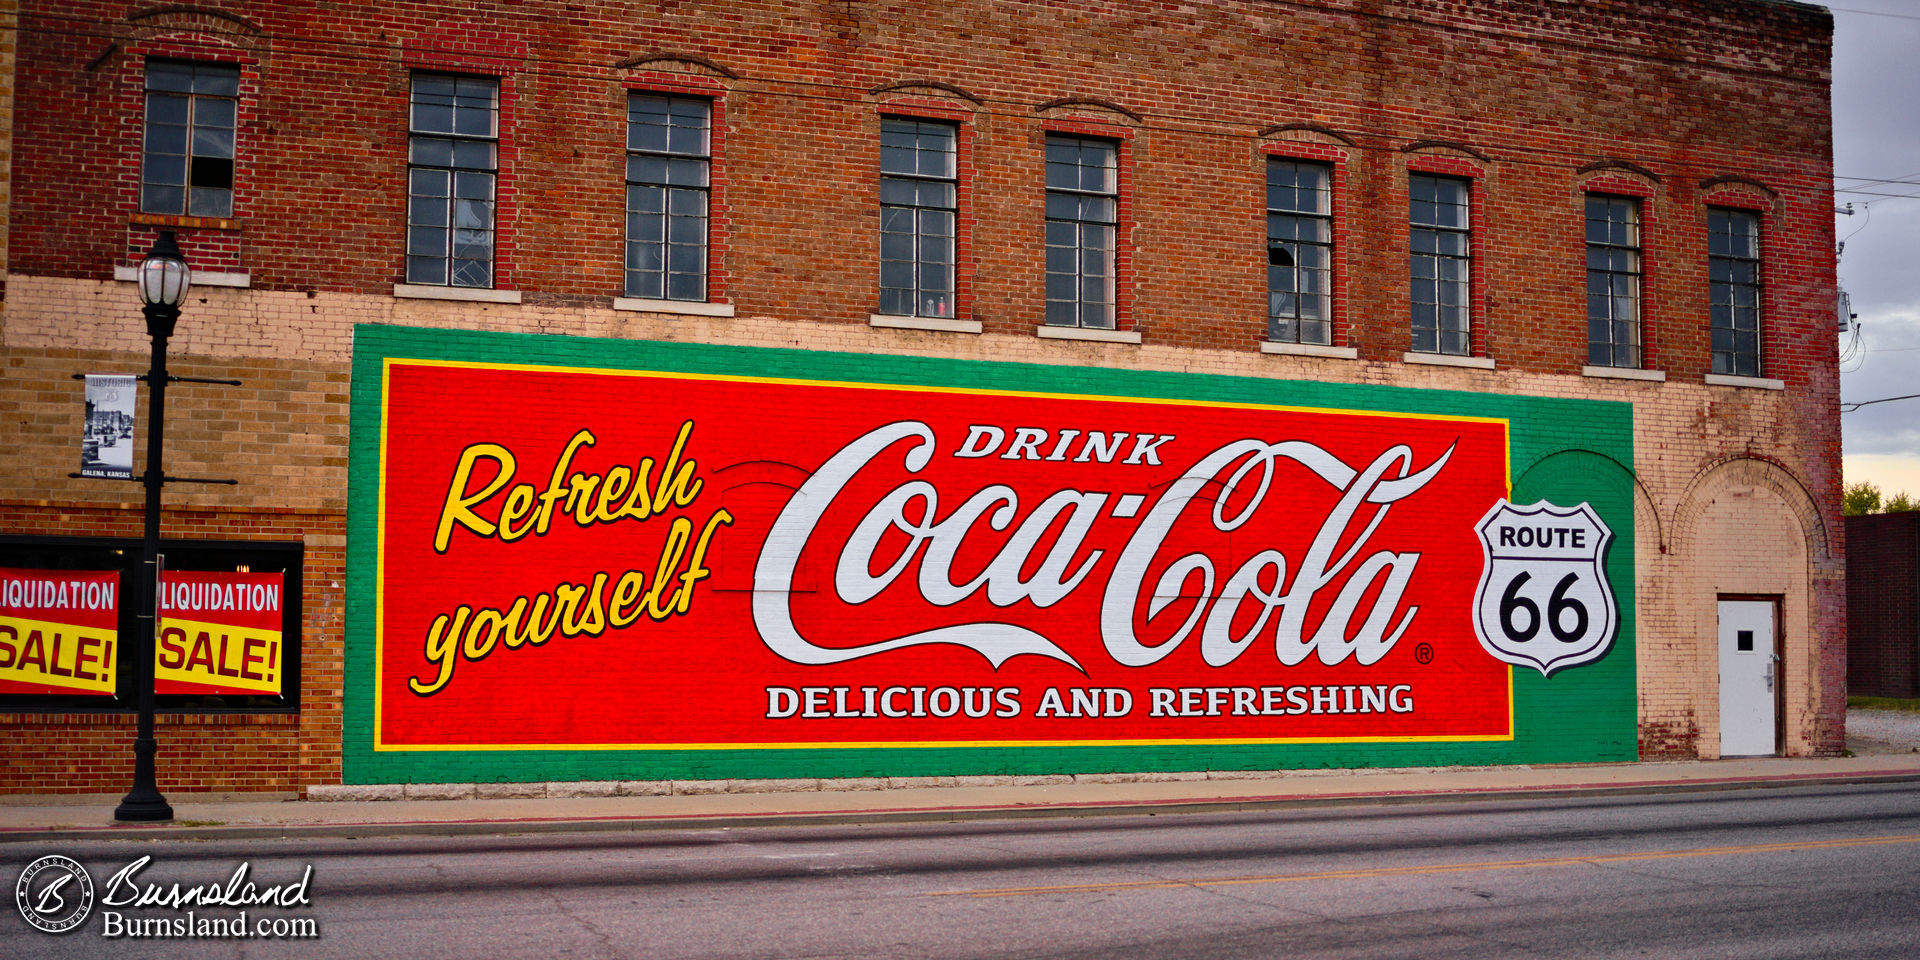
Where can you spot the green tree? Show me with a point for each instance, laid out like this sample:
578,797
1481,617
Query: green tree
1863,498
1860,499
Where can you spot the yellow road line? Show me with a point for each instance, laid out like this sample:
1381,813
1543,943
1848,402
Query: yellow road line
1439,867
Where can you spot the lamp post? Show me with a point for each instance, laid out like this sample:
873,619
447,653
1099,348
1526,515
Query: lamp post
164,279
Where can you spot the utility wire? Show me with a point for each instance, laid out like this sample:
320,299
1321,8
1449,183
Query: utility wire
1851,407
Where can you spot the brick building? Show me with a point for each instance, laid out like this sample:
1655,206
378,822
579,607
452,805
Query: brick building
1883,605
1577,252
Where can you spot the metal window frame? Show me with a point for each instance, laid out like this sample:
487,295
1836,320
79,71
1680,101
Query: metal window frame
1111,304
920,261
193,113
1758,286
1634,347
1326,295
1466,267
665,243
493,199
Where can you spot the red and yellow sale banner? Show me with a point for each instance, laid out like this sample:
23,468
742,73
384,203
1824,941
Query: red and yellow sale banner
220,633
59,631
587,559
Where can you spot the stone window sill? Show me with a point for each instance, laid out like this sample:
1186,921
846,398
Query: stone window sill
1754,383
1624,373
944,324
425,291
1084,333
200,278
1448,360
175,221
1308,350
685,308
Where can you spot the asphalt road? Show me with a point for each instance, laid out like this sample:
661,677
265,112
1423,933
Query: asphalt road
1749,874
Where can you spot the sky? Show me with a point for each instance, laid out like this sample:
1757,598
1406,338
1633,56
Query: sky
1876,137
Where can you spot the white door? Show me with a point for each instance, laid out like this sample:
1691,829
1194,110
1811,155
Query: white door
1749,668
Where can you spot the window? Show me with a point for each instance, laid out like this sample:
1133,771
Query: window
918,193
452,158
668,178
1437,213
186,165
62,553
1299,252
1733,276
1613,281
1082,210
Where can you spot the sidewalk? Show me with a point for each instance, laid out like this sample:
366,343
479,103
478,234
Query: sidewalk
36,819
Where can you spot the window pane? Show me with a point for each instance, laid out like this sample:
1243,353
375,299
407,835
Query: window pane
213,112
687,230
473,155
686,259
166,138
162,168
155,198
646,199
428,151
220,80
164,75
426,270
687,286
473,186
644,169
427,242
428,183
896,246
212,142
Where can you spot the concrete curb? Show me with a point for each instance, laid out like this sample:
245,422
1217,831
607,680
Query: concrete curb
979,812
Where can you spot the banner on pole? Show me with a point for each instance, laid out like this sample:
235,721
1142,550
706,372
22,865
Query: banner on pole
106,444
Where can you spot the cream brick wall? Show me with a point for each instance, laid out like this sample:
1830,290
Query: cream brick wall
1731,478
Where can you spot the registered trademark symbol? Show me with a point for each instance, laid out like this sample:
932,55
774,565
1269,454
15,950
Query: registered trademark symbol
1423,653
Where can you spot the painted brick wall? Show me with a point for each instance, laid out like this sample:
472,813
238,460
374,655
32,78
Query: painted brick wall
1883,605
1682,104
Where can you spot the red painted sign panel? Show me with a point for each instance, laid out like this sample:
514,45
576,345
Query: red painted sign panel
219,633
59,631
577,559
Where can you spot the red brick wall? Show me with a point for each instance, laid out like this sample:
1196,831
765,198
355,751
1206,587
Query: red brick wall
1883,605
93,752
1691,92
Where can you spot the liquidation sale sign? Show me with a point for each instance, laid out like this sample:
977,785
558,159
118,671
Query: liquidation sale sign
59,631
571,557
220,633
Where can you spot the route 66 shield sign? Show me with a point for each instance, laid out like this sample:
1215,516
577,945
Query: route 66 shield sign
1543,600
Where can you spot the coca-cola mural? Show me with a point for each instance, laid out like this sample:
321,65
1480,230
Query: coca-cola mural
610,560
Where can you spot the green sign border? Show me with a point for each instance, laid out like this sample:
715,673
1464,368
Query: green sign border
1563,450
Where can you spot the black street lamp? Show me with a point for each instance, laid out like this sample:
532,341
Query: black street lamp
164,279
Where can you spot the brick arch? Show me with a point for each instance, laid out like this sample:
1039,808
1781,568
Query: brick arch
666,61
1445,147
1306,132
1642,497
1104,110
1758,472
924,88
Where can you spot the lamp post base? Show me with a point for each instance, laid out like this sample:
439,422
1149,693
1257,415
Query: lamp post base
152,809
144,804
